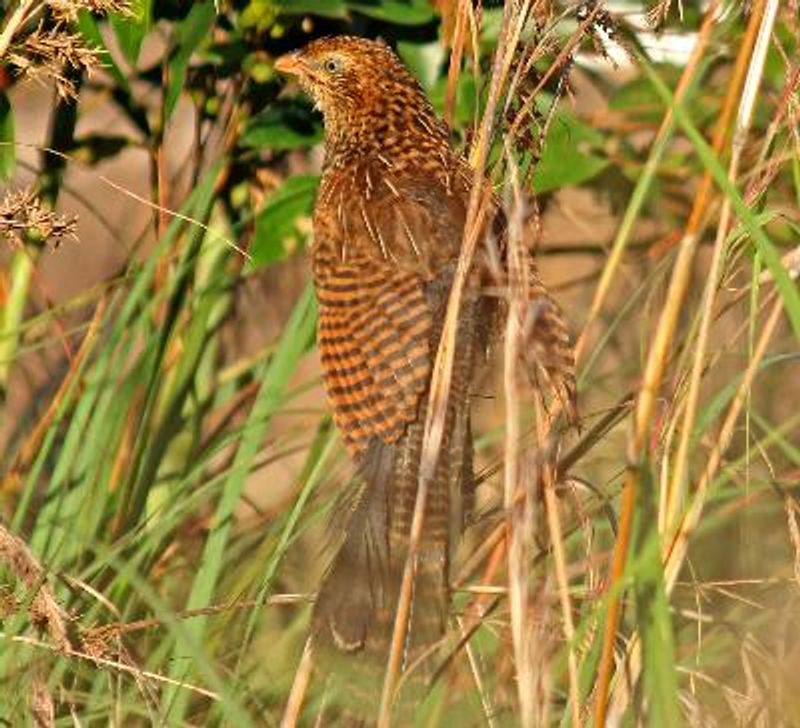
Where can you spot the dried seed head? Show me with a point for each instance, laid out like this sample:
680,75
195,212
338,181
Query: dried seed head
24,220
47,53
67,10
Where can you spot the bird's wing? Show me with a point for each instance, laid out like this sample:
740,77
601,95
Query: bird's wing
382,273
549,349
374,339
547,353
376,254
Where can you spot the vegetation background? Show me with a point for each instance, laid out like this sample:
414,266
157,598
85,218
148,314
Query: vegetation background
168,463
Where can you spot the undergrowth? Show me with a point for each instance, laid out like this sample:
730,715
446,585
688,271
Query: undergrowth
168,462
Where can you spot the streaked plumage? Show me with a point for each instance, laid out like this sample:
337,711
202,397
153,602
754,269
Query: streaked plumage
388,227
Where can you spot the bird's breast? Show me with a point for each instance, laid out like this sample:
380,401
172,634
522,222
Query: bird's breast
373,212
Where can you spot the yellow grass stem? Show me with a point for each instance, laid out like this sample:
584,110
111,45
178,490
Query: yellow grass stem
443,365
656,362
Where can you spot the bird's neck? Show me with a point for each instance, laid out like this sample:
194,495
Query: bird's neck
388,132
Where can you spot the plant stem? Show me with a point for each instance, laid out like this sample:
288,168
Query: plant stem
24,10
21,272
657,360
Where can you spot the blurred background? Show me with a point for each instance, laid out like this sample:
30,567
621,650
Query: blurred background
168,461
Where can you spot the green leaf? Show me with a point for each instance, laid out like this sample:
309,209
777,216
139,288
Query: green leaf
786,286
652,611
189,33
424,60
416,12
93,148
468,104
131,29
87,25
276,224
637,97
258,15
8,152
324,8
285,124
274,376
566,160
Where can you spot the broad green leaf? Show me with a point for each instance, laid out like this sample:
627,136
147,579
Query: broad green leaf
416,12
189,33
468,105
424,60
639,97
276,224
131,29
285,124
325,8
8,154
566,159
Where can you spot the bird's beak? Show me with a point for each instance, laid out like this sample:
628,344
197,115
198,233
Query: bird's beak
289,63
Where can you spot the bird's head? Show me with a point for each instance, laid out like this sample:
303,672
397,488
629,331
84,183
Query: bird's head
361,87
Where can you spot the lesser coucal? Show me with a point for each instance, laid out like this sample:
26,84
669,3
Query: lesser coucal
388,227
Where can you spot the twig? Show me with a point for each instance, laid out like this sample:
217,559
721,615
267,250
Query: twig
152,205
121,666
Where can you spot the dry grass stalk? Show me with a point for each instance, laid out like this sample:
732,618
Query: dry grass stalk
533,700
676,486
676,550
611,268
560,562
47,52
42,708
520,522
461,13
658,357
95,644
302,678
30,447
442,370
44,609
124,666
477,675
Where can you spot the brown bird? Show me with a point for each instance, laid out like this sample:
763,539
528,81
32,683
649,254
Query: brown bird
388,227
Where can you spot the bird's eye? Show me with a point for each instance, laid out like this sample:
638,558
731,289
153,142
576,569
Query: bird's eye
331,65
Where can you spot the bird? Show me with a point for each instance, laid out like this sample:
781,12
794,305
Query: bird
388,225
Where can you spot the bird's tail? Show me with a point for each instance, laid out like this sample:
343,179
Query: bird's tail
355,612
